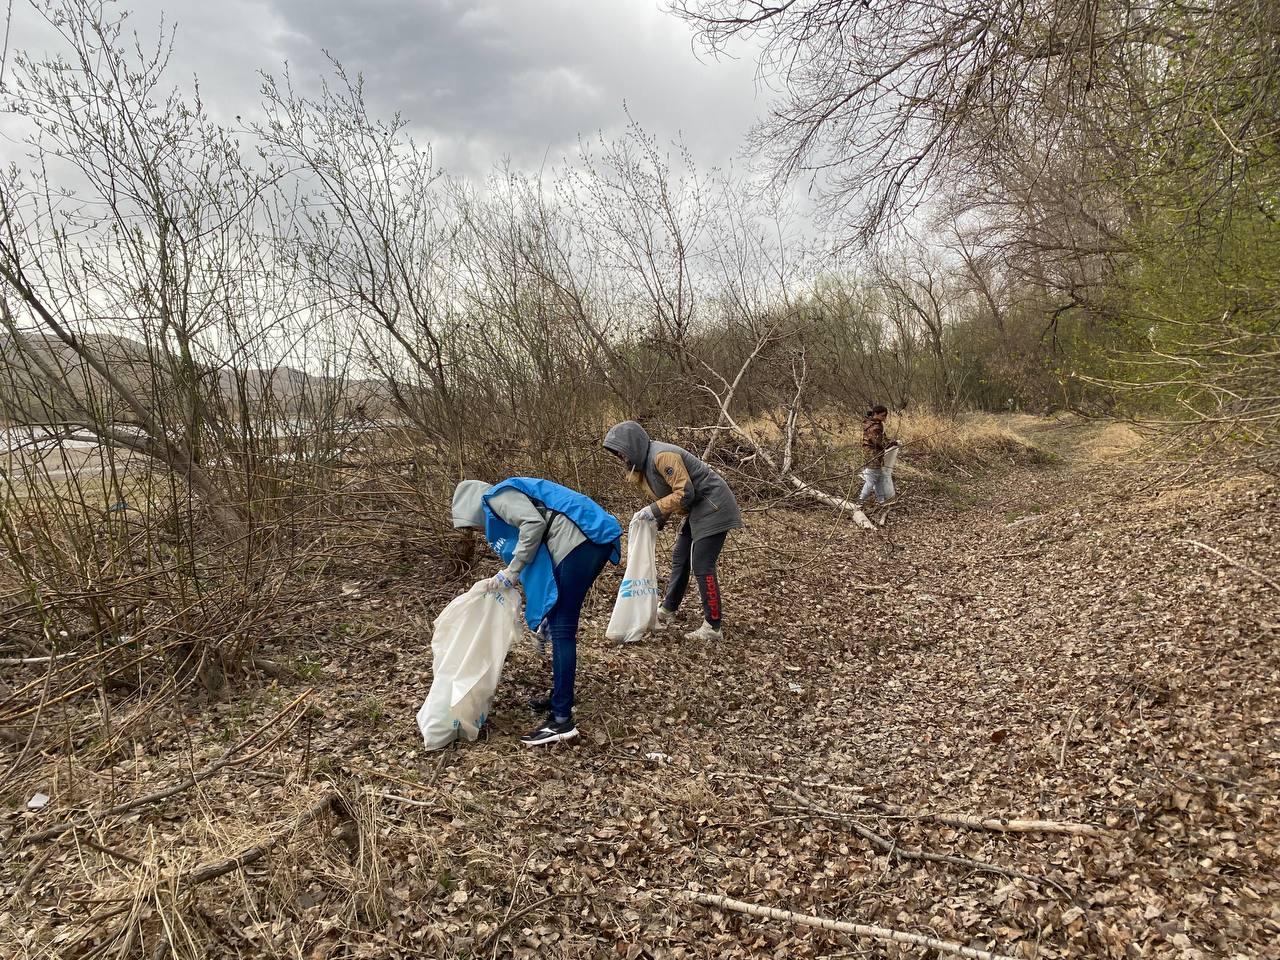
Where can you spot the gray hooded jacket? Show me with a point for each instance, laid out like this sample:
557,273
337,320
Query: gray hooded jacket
711,505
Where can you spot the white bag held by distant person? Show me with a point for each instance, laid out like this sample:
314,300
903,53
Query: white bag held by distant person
890,458
636,609
472,637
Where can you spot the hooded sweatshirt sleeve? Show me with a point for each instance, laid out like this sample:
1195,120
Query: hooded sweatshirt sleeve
671,466
518,510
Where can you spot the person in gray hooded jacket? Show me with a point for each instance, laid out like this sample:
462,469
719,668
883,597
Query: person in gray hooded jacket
681,484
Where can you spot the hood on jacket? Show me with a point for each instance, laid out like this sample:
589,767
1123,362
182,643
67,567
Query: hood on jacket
630,441
468,511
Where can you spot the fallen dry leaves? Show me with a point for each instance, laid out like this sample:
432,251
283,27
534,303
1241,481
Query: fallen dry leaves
1059,652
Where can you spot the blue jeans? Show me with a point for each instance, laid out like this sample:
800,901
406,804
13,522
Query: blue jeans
574,577
874,481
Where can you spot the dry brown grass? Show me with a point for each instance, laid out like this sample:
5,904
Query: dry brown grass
932,441
1115,441
972,440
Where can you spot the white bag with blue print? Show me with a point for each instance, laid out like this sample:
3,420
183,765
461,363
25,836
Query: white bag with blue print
636,609
472,637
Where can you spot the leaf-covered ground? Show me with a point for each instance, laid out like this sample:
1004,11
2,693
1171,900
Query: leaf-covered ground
1063,643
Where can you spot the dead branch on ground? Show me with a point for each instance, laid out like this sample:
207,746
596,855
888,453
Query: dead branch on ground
802,487
998,824
895,852
1273,584
839,926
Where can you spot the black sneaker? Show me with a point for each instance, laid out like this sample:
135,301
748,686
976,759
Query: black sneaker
550,732
540,705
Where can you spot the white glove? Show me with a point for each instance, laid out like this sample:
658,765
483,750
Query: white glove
648,513
542,638
502,580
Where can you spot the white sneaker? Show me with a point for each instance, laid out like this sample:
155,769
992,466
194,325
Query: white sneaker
665,618
706,632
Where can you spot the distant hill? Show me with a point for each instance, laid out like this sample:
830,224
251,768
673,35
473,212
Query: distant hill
27,396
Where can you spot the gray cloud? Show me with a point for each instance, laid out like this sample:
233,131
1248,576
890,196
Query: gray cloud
526,78
483,80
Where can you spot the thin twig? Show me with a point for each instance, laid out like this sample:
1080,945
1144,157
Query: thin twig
31,661
999,824
893,851
1274,585
29,877
115,854
519,915
1066,736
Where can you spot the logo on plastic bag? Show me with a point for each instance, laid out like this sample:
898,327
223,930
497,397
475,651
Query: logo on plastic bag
639,587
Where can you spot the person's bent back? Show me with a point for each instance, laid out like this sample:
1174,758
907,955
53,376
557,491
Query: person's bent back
554,542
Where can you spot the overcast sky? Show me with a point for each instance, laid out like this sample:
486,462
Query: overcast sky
482,80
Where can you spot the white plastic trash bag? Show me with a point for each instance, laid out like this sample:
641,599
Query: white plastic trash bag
472,637
636,609
890,458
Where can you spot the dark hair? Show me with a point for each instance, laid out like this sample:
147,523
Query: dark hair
878,408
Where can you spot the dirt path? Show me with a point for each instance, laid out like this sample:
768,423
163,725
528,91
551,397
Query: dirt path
1064,651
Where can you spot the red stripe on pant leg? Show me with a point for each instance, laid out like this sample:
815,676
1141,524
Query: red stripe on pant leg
713,596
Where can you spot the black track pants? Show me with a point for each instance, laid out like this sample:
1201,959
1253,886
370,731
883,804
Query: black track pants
700,557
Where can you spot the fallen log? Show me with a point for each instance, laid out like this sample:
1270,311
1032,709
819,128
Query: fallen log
802,488
840,926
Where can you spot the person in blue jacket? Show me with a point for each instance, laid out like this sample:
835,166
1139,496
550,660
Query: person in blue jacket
554,542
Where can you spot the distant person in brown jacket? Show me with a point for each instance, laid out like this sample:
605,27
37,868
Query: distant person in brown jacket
874,444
